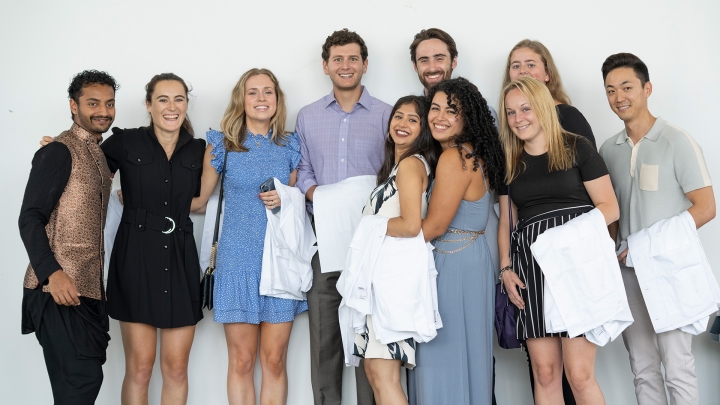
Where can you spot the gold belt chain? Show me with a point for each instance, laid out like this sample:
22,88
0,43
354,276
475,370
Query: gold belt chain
473,235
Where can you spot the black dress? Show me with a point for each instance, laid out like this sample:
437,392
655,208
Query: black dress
154,273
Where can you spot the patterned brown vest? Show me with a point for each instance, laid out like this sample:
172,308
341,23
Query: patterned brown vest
75,228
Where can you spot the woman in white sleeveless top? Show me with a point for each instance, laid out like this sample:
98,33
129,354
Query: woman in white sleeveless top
401,195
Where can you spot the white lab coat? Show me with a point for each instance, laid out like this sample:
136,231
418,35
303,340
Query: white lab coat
289,247
392,279
338,210
583,291
209,230
113,217
678,286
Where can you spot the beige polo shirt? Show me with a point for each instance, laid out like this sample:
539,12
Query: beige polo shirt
651,177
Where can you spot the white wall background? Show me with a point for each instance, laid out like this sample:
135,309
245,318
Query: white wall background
211,43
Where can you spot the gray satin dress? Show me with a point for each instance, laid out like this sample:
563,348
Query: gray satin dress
456,367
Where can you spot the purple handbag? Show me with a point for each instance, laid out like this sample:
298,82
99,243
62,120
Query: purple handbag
504,310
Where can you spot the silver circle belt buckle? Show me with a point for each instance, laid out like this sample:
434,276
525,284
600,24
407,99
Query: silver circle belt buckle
173,226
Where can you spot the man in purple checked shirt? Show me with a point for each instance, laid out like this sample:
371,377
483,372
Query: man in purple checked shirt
341,136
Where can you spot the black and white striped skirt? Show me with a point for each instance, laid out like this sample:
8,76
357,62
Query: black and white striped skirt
531,320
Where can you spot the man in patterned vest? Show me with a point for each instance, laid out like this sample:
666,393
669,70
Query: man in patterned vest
61,224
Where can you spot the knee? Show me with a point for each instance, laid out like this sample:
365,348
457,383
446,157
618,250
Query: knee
546,374
273,362
175,370
581,379
242,363
139,370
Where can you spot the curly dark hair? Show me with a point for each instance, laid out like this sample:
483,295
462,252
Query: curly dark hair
150,89
424,145
343,37
478,128
89,78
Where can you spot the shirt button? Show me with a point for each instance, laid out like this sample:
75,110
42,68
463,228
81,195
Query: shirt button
343,139
342,160
139,226
344,119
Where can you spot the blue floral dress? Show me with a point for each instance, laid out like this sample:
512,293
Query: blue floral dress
239,260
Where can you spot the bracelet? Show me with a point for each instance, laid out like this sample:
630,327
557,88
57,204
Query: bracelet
503,270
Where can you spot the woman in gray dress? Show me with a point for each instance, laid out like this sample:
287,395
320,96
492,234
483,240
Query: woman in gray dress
456,367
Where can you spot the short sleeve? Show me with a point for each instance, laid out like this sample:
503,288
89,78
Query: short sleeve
215,139
589,162
572,120
689,163
292,143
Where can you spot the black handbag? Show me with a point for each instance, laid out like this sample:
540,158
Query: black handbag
207,284
504,311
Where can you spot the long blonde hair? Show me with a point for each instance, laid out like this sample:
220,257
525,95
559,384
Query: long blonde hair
561,144
554,83
233,124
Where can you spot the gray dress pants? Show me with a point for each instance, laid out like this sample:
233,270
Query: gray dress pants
648,350
326,350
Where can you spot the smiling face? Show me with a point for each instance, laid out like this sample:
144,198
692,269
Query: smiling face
444,120
521,118
345,66
433,63
260,100
95,109
405,127
625,93
168,106
525,62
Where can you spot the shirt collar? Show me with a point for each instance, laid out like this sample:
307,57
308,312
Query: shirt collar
83,134
269,134
652,135
184,138
365,99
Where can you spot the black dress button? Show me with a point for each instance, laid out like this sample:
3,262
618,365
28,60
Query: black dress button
165,291
165,246
165,202
166,269
139,226
139,160
166,180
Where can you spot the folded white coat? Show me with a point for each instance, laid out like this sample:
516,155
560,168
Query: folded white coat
392,279
338,210
289,247
583,292
675,277
112,222
209,230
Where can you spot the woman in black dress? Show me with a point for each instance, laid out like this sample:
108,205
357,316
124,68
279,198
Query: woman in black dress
532,58
553,176
154,275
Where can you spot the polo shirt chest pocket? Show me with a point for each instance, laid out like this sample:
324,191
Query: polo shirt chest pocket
649,175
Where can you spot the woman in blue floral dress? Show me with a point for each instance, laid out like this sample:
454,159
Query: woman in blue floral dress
253,135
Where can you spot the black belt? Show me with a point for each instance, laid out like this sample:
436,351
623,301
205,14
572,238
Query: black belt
141,219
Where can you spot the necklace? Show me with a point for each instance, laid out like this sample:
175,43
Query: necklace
258,138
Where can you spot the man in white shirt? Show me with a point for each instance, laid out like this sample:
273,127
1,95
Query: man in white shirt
658,171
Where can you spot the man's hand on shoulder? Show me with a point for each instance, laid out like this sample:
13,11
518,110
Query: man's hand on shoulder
63,290
46,140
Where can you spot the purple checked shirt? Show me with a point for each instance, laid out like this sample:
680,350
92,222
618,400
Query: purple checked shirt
336,144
